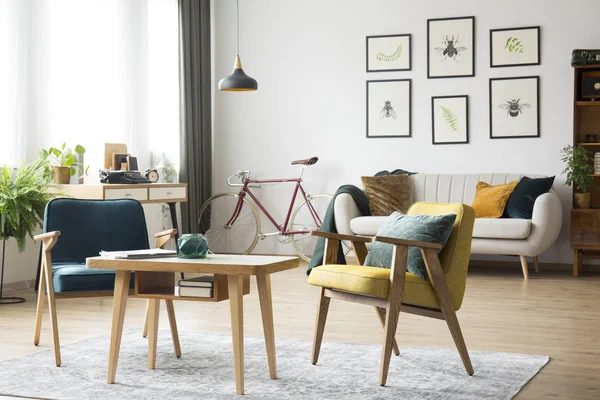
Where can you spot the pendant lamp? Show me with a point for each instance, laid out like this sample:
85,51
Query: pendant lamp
238,81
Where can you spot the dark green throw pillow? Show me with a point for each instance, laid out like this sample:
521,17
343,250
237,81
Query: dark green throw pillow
424,228
520,202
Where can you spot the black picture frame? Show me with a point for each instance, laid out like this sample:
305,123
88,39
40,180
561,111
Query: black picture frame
539,46
118,160
491,105
382,81
434,20
466,116
375,37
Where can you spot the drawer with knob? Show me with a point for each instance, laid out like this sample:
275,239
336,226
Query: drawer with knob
140,194
167,193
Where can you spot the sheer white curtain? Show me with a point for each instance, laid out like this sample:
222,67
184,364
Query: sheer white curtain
90,72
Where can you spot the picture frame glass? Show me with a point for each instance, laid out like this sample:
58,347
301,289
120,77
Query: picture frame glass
388,53
515,47
514,108
451,47
388,108
450,119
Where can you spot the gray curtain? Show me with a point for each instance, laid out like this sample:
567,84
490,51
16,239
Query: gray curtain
195,106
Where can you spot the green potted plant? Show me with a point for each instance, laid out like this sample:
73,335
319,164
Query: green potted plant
63,164
579,170
23,198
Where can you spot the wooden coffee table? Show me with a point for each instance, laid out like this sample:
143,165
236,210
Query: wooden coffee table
155,280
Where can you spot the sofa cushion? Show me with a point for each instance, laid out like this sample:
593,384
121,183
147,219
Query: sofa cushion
501,228
366,226
424,228
520,203
388,193
490,200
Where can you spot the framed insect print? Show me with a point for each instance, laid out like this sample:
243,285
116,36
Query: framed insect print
514,107
389,108
451,47
515,47
450,119
389,53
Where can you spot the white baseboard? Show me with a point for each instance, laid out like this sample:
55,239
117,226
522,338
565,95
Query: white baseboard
19,286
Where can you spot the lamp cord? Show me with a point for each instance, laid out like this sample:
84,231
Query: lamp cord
238,27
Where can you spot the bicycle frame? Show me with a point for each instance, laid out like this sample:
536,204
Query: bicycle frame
281,229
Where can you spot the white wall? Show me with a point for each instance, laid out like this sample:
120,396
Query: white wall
309,59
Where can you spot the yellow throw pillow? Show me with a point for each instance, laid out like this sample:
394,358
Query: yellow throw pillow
388,193
490,200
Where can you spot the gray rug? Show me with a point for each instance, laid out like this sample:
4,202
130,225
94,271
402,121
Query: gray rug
205,371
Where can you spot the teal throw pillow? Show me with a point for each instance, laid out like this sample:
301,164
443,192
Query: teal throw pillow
424,228
520,203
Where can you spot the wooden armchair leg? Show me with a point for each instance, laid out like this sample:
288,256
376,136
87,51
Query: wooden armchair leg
397,278
40,308
381,315
536,264
524,267
173,325
145,329
436,277
322,310
52,309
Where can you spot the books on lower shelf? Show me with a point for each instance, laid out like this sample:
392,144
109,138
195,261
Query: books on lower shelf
596,163
201,286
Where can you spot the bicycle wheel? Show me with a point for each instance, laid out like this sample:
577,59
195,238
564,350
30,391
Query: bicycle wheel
239,237
302,219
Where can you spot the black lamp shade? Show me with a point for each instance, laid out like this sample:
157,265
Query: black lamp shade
238,81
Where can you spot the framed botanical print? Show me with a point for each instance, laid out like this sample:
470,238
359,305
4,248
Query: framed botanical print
389,108
515,47
514,107
450,119
389,53
451,47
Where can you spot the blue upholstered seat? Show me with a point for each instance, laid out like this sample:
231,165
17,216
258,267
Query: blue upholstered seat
87,227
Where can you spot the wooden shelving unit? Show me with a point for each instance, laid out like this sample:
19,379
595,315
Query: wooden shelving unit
585,223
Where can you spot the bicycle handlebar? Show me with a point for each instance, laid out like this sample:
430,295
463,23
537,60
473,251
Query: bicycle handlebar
243,175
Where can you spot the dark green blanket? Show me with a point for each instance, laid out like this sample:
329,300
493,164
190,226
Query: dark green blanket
360,198
361,201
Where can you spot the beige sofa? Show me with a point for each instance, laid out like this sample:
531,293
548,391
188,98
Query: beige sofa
505,236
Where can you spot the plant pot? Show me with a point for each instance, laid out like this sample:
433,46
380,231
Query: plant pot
582,200
61,175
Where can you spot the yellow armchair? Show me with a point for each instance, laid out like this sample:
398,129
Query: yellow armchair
393,290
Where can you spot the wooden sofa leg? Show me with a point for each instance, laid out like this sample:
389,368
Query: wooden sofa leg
381,315
322,310
524,267
536,264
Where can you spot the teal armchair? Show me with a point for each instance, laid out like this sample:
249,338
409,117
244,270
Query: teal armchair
75,229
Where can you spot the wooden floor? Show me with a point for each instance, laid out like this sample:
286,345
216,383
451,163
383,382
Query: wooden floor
552,314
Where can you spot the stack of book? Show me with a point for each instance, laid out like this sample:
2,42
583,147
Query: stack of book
596,163
201,286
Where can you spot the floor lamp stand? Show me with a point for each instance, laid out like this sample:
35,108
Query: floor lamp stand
7,300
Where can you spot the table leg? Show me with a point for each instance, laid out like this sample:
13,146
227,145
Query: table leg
235,285
576,262
153,315
263,282
173,210
122,279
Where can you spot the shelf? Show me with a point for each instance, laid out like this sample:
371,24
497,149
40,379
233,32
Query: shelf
588,144
588,103
588,66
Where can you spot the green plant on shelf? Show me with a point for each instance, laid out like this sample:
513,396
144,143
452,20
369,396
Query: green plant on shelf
64,157
579,168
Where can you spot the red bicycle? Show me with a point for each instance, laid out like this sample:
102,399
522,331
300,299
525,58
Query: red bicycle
231,222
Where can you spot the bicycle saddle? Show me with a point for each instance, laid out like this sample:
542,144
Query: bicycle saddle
308,161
